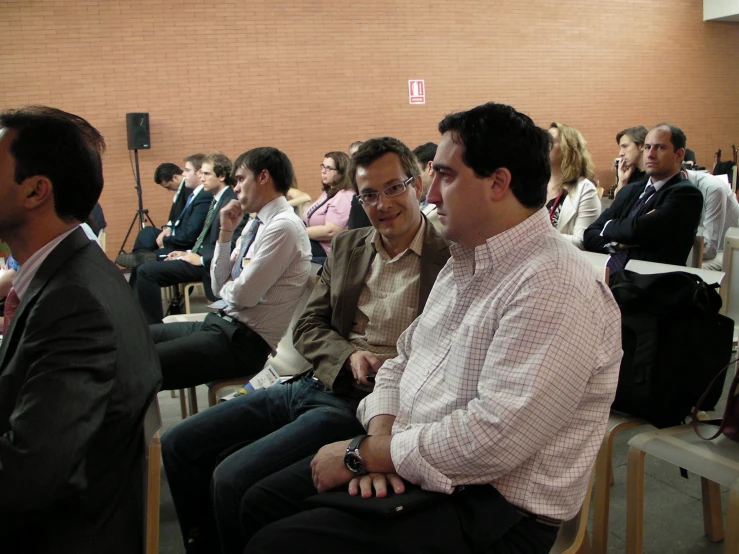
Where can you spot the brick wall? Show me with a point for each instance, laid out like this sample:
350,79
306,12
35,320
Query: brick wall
308,76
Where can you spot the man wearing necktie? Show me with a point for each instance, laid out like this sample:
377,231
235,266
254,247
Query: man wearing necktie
186,217
654,219
194,264
259,281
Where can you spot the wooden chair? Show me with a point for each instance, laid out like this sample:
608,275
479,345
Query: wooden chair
717,462
153,455
572,537
696,253
617,422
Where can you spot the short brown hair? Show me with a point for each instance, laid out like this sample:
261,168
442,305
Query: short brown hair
373,149
222,166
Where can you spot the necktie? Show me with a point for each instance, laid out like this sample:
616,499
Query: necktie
618,260
206,226
249,238
11,305
189,199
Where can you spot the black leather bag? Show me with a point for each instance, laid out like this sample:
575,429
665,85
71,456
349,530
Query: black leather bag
674,342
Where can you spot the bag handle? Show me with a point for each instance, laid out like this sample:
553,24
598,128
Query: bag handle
729,404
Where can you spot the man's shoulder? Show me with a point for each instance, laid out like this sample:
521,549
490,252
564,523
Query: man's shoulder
352,238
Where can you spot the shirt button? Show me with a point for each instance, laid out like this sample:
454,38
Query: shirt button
453,326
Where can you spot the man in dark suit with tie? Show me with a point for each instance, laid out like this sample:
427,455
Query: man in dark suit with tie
654,220
186,186
77,364
194,264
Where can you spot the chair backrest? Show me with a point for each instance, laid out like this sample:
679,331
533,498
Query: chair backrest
695,257
573,533
288,361
729,289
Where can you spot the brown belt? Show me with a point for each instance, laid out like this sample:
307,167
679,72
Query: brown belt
544,520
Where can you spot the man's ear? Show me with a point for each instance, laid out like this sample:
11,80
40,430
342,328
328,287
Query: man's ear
263,177
37,190
500,182
418,187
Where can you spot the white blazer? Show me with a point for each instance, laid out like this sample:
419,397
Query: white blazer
580,208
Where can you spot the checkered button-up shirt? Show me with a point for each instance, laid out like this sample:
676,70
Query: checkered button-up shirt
508,376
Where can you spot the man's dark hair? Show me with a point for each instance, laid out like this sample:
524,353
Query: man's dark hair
425,153
195,159
637,134
496,136
689,156
677,137
373,149
62,147
222,166
276,162
165,172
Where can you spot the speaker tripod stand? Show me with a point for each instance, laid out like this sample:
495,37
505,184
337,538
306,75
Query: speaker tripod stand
141,215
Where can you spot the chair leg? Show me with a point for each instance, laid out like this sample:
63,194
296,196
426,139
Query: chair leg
212,396
635,502
585,546
713,523
153,492
193,400
183,403
601,501
731,546
173,393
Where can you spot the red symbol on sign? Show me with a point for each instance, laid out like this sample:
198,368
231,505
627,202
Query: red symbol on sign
416,92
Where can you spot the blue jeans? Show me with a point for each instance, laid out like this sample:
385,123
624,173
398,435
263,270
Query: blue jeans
282,425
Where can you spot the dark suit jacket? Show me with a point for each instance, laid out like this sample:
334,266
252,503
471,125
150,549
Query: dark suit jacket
209,245
77,372
178,204
665,235
190,222
322,331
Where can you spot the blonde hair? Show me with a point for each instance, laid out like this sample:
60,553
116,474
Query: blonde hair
576,160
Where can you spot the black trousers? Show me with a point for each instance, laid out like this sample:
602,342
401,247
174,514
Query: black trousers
198,352
476,521
147,280
147,239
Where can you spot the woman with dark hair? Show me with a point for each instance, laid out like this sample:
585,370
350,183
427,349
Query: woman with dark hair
329,215
572,197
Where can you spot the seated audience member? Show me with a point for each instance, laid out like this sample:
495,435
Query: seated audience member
354,146
96,219
572,197
425,159
259,283
77,362
473,402
193,265
689,158
720,212
329,215
630,168
653,220
297,198
186,216
374,283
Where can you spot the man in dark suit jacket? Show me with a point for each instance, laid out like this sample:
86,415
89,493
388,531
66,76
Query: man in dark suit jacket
654,220
77,364
193,265
375,282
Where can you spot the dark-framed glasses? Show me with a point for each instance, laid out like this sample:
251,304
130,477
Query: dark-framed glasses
370,198
327,168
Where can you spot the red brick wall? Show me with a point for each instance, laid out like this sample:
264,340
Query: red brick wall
309,77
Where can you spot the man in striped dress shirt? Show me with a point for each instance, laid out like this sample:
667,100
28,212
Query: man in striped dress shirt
501,388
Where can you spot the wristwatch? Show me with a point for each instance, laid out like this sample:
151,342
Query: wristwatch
352,459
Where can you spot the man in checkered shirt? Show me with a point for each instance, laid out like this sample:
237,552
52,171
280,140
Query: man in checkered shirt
501,389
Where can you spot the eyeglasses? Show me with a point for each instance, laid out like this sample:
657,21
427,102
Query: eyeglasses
327,168
370,198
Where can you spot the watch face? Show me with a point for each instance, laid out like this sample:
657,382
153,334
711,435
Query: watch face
354,462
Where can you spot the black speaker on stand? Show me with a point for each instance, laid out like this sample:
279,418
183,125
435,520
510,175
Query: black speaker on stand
137,131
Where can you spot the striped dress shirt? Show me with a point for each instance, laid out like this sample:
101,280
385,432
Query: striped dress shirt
508,376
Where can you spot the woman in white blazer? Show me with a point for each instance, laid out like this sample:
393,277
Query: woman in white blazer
572,197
